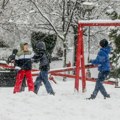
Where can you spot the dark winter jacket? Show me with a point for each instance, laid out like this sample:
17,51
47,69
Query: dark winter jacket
43,59
102,59
23,59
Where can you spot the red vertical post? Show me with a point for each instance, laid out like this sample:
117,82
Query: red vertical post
83,64
78,57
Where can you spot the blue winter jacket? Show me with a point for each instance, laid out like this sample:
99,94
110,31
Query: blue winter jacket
102,59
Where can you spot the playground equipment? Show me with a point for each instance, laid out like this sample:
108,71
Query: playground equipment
80,47
80,62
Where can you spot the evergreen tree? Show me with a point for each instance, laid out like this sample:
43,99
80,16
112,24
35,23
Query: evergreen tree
49,39
114,36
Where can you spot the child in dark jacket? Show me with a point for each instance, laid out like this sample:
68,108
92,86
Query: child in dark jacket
42,57
24,65
103,62
11,60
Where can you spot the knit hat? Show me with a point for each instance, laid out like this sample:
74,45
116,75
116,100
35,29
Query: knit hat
103,43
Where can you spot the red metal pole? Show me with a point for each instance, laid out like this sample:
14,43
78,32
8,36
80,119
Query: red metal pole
83,64
78,58
100,24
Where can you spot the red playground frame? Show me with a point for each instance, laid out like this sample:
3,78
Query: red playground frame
80,48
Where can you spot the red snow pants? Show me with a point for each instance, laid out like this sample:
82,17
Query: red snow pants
19,79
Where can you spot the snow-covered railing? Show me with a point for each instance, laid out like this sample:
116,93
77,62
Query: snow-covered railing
99,22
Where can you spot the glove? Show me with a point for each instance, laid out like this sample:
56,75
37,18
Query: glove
17,68
90,61
89,64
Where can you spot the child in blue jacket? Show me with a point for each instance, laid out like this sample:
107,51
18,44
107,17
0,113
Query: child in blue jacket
103,62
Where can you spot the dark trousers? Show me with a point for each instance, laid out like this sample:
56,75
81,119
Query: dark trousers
99,83
43,77
23,85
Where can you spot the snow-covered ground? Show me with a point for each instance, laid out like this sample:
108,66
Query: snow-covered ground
65,105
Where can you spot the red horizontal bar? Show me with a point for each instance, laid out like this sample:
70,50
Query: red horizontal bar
53,71
63,75
105,82
6,66
34,75
99,24
63,70
35,70
71,69
88,79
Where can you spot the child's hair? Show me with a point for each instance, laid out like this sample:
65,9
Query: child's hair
103,43
25,43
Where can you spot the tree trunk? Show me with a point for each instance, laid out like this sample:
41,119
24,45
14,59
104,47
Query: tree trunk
65,55
75,43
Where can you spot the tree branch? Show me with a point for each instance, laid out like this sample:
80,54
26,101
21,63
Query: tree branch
45,17
71,16
63,16
4,3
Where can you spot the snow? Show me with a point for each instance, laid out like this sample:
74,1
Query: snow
89,4
110,11
118,32
112,28
3,62
65,105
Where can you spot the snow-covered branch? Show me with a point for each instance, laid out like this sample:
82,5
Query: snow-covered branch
47,19
5,2
71,16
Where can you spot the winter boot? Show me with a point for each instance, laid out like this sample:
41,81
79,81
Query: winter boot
52,93
35,89
91,97
107,96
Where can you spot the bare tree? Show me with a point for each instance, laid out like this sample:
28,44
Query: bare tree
65,24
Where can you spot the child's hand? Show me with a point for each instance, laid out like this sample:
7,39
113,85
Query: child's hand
90,61
17,68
